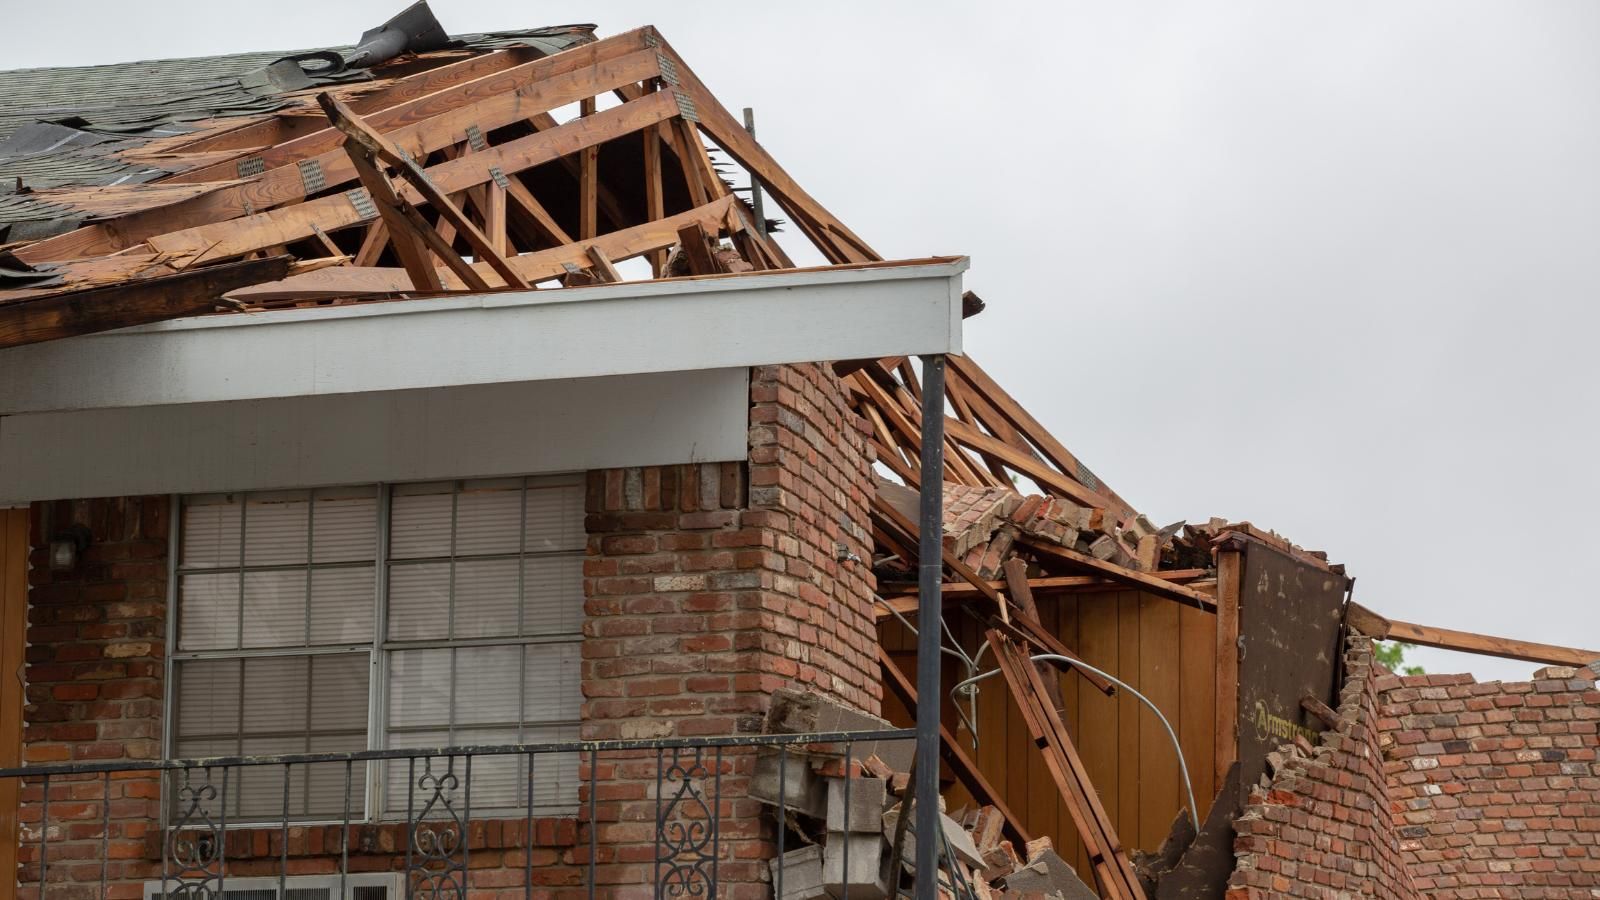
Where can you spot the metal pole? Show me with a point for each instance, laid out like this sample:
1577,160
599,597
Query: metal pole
755,184
930,573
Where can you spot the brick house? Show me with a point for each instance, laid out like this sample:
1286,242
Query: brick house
421,471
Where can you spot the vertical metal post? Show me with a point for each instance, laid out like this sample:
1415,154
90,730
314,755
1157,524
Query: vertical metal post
930,574
755,183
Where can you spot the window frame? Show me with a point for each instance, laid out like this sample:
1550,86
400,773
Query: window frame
380,648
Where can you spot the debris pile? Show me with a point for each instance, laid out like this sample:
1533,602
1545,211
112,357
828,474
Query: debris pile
848,821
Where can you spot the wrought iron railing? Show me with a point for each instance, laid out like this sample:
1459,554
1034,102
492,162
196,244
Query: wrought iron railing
671,817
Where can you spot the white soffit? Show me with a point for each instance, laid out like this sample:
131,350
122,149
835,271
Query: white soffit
622,329
464,431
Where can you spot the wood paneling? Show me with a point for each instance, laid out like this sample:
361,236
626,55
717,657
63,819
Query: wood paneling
13,634
1166,651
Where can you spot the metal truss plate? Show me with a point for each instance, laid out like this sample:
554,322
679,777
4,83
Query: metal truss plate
255,165
686,107
475,139
362,201
311,176
500,178
669,69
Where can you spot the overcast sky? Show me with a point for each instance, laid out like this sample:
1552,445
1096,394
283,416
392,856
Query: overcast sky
1331,268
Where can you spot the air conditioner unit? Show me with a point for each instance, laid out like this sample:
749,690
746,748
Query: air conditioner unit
357,886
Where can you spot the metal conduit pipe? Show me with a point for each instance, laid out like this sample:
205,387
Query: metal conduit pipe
1183,767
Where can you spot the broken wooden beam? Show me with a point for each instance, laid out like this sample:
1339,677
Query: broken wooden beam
1144,581
140,302
1376,626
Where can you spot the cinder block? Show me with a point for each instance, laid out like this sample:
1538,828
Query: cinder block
865,810
800,872
959,840
864,875
801,791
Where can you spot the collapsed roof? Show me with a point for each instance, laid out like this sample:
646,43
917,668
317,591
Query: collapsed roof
415,164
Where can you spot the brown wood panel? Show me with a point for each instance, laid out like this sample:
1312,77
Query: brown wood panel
1097,714
1160,785
1162,649
13,632
1128,714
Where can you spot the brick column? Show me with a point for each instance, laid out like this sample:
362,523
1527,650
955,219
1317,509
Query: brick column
710,587
96,640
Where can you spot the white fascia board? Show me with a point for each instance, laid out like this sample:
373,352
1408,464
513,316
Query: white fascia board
621,329
466,431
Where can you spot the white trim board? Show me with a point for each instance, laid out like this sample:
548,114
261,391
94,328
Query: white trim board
455,432
621,329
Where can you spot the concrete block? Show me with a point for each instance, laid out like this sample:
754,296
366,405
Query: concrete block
868,855
865,811
959,841
801,712
1049,874
801,874
799,790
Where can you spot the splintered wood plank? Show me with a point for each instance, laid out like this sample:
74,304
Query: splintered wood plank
1142,580
236,237
138,302
1160,785
1489,645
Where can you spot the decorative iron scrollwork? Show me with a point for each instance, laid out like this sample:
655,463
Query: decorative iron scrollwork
436,860
686,827
194,842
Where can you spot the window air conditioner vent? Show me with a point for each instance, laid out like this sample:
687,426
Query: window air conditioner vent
359,886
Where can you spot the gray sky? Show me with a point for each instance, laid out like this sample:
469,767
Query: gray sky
1327,267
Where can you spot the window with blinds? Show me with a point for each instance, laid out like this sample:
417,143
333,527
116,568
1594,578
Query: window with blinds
306,625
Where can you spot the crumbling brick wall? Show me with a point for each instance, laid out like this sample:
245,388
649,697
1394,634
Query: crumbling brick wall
1321,827
709,590
1496,786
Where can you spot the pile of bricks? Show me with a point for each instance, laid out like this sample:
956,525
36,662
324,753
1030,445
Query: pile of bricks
848,812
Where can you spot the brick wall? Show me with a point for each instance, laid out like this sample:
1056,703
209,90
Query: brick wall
1321,826
709,588
1434,786
1496,786
96,640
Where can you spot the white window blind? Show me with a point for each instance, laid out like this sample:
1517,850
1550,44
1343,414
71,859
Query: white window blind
279,604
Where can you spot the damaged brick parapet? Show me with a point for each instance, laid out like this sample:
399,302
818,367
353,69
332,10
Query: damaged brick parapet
1319,824
1496,785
